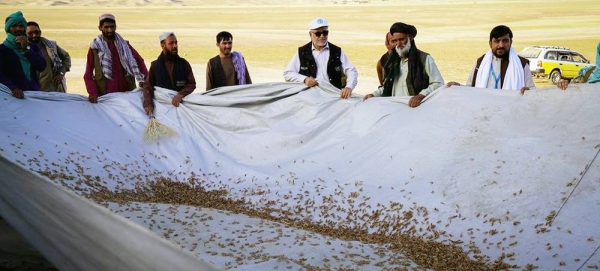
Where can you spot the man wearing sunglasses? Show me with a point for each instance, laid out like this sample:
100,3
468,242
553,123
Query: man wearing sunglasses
322,61
58,61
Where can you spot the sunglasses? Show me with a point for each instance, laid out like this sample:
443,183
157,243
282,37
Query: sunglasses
319,33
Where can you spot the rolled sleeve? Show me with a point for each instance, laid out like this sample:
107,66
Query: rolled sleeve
378,92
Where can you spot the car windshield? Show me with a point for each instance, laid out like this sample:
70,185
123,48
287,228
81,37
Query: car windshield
578,58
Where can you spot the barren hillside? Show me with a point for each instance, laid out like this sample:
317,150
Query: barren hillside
183,3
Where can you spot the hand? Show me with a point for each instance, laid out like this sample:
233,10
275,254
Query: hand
452,83
563,84
58,78
368,96
93,99
22,40
346,92
177,100
311,82
523,89
416,100
149,110
18,93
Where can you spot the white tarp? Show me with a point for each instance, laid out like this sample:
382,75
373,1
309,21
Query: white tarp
75,234
476,167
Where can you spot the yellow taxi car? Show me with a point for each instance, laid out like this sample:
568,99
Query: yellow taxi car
554,62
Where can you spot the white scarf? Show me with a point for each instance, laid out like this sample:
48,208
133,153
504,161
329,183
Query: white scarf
127,60
514,77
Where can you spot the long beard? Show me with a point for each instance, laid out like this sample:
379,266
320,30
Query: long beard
404,51
171,56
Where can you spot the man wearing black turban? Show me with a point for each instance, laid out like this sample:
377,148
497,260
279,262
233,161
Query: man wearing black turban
19,59
408,71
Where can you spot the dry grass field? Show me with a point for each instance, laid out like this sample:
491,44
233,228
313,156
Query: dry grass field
268,32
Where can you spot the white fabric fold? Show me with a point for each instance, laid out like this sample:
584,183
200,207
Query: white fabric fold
76,234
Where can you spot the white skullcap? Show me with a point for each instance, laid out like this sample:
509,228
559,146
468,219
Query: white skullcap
316,23
165,35
106,16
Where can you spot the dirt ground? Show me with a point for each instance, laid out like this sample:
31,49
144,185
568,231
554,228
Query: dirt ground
17,254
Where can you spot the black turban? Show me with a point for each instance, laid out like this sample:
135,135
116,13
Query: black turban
404,28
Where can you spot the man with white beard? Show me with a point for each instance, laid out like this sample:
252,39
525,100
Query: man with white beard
409,71
500,67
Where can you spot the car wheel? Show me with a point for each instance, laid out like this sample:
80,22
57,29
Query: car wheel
555,76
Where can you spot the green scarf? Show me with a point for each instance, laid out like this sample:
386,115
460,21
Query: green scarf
11,41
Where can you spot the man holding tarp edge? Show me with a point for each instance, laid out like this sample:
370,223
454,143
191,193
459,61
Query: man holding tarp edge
588,75
500,67
19,59
322,61
113,65
168,71
408,71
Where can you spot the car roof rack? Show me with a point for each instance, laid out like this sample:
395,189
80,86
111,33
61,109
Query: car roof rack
552,47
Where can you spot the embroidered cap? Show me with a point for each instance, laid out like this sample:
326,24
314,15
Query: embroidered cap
106,16
165,35
316,23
